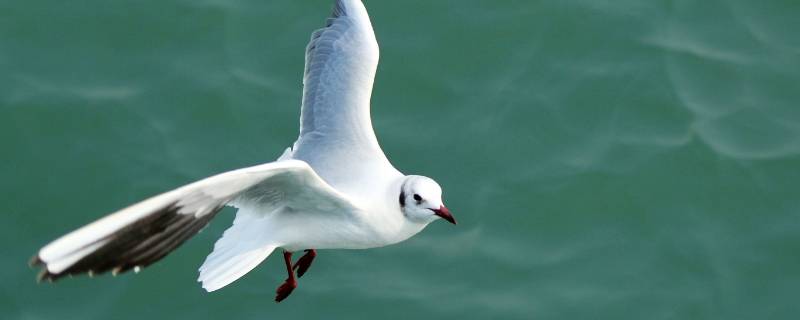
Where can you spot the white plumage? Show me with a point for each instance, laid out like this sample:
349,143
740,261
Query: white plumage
334,189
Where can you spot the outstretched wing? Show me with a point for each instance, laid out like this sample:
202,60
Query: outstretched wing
341,60
144,233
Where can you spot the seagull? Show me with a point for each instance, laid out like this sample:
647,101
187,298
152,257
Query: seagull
332,189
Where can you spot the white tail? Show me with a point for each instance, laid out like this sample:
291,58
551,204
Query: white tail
242,247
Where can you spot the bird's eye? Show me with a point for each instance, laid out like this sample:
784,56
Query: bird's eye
417,197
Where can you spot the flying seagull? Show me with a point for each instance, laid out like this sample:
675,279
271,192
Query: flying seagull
333,189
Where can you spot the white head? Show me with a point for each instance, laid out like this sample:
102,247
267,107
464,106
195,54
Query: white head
421,200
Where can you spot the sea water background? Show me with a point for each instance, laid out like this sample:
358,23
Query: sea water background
605,159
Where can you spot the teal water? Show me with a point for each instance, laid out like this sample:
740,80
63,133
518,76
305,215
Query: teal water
605,159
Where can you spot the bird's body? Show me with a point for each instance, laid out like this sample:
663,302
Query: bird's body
333,189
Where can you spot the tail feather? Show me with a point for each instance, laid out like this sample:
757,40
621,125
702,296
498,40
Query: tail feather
242,247
216,276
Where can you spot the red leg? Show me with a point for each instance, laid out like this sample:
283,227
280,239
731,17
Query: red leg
304,262
286,288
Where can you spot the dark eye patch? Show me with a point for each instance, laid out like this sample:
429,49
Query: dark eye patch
417,197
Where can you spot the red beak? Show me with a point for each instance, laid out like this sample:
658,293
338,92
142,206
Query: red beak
444,213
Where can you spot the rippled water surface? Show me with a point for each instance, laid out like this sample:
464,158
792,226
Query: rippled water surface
605,159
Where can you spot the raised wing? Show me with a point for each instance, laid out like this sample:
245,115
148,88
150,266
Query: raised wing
144,233
341,60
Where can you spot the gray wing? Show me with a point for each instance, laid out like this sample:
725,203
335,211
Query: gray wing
341,60
145,232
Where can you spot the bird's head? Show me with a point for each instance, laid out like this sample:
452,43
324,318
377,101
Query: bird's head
421,200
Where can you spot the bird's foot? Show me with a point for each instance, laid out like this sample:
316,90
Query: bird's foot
285,289
304,262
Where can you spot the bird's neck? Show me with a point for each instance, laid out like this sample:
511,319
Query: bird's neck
387,219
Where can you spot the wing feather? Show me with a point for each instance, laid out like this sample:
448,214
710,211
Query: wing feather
146,232
341,61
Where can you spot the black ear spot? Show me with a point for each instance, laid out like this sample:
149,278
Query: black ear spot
402,199
417,197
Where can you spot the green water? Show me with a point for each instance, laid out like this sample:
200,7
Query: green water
605,159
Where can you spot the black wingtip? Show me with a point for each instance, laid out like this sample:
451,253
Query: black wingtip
35,261
133,247
43,274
